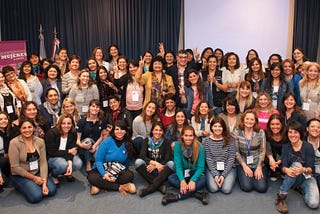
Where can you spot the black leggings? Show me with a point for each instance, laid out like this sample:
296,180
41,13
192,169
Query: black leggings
97,180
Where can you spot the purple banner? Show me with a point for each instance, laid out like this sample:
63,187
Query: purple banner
12,53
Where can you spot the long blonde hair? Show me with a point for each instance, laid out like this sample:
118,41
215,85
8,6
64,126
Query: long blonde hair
305,79
75,115
270,107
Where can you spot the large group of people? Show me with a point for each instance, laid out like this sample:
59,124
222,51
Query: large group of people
197,120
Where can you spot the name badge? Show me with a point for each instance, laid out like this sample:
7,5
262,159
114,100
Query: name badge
9,109
34,165
250,159
317,168
19,105
135,96
306,106
220,166
187,173
105,103
85,109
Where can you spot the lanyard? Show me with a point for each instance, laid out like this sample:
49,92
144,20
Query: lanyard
248,143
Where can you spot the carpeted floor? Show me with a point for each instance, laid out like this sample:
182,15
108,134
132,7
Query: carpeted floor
75,198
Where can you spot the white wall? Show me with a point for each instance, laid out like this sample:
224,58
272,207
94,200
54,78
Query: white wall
239,25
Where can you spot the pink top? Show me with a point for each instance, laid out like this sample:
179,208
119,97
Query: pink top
196,101
263,118
134,96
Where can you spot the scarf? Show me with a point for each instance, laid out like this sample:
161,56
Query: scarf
18,90
115,114
153,147
187,152
53,110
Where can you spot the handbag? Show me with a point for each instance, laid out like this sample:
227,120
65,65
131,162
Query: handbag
114,168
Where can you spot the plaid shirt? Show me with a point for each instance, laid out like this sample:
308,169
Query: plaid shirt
257,148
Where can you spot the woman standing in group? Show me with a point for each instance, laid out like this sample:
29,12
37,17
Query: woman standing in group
92,67
91,131
245,97
213,76
155,160
189,160
113,153
156,83
29,169
201,120
264,109
298,167
105,86
83,92
98,55
113,55
18,87
250,154
70,78
310,91
275,135
8,101
231,113
52,79
147,59
220,156
32,81
167,113
61,149
299,57
142,124
275,85
255,75
219,54
193,92
132,93
62,60
291,110
232,72
169,59
50,109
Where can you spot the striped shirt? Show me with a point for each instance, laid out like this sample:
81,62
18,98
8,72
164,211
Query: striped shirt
215,153
257,148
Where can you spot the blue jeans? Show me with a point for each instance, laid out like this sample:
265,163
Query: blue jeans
59,165
227,184
140,162
137,142
174,181
248,184
308,186
31,191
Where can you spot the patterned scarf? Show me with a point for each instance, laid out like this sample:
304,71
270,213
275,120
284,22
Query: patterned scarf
153,147
53,110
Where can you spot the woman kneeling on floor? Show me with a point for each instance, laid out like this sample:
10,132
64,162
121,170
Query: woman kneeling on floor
111,168
189,160
155,163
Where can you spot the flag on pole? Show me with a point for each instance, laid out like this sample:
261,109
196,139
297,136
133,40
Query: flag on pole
42,52
55,45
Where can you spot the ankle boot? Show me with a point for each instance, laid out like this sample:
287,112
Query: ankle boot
142,170
169,197
128,187
281,205
94,190
204,197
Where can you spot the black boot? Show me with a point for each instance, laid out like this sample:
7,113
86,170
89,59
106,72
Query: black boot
204,197
157,183
169,197
142,170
